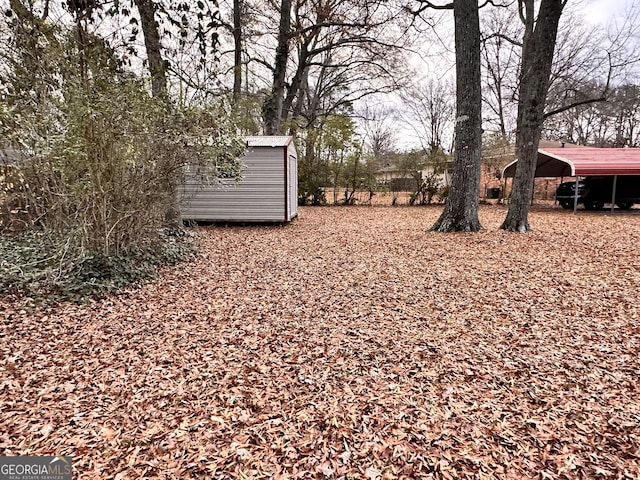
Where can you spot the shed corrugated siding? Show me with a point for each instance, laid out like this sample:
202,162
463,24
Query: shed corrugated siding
258,197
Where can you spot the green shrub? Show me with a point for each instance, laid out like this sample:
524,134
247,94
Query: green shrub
99,165
102,158
50,267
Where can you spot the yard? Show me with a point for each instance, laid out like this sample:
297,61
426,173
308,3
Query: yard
350,344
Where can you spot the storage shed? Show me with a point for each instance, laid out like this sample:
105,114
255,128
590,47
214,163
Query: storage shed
267,192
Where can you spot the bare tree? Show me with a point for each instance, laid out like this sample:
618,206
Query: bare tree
430,110
581,53
377,123
501,57
626,103
614,123
591,60
337,52
537,58
461,208
584,53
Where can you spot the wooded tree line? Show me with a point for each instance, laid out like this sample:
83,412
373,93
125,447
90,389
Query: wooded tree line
310,69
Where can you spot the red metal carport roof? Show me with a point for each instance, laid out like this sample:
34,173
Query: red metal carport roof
583,161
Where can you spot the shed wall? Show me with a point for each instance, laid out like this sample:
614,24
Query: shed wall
259,197
292,173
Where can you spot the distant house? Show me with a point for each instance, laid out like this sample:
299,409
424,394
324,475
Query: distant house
385,175
267,192
399,179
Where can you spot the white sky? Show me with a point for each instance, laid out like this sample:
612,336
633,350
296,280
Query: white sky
602,10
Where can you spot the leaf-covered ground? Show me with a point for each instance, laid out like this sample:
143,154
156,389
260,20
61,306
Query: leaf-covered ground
350,344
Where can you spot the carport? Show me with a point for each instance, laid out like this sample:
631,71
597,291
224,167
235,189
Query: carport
582,162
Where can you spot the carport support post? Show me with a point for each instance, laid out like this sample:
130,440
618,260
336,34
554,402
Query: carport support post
575,195
613,195
556,198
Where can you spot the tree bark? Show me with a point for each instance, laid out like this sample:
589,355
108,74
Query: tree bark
272,107
297,82
461,208
237,50
537,58
157,66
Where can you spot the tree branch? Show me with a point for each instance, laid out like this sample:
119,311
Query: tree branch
504,37
182,76
428,4
319,26
491,2
573,105
425,5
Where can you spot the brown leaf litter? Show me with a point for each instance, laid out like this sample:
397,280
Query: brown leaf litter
350,344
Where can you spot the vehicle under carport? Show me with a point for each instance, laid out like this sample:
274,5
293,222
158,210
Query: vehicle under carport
582,162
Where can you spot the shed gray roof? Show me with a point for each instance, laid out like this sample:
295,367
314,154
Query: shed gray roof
269,141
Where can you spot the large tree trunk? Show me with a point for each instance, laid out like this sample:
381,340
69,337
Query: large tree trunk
272,107
537,59
297,82
157,66
237,50
461,209
158,70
